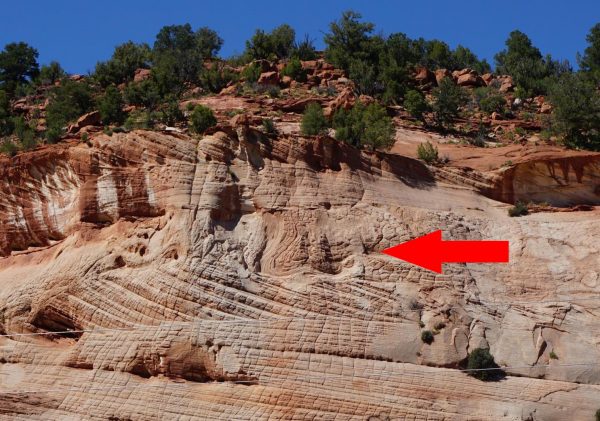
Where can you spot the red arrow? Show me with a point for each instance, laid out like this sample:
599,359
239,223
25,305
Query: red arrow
430,251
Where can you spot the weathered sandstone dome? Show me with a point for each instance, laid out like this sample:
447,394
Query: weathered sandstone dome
238,276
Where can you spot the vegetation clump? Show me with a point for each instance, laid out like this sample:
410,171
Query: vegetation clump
364,125
67,102
294,70
427,152
427,337
481,365
201,119
313,121
110,106
448,99
520,209
415,104
269,126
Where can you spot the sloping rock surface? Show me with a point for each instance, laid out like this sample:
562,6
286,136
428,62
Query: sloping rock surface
240,277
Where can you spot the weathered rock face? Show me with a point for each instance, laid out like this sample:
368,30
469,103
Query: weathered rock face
170,248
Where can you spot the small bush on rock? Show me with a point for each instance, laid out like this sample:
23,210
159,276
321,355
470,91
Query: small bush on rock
313,121
520,209
427,152
364,126
482,365
268,126
251,73
294,70
201,119
448,98
427,337
415,104
111,106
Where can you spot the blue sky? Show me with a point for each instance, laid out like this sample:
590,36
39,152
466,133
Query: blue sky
79,33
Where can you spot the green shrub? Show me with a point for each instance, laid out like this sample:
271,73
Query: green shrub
217,77
313,121
482,365
520,209
349,39
448,98
25,133
489,100
365,77
110,106
598,415
427,337
277,44
8,148
6,122
427,152
415,104
531,72
53,134
268,126
139,119
51,73
553,355
170,113
251,73
576,116
394,81
364,126
305,49
68,101
178,55
201,119
18,66
121,67
294,70
145,93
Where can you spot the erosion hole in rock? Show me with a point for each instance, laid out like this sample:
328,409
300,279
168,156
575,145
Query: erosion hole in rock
52,319
119,262
142,251
139,369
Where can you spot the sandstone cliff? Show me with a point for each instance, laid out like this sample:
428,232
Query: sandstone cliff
237,276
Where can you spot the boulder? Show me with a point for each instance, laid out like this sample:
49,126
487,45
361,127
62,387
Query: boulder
141,74
488,78
286,81
326,66
269,78
470,79
423,76
345,100
366,99
265,66
311,65
546,108
229,90
441,74
240,120
458,73
89,119
297,105
506,84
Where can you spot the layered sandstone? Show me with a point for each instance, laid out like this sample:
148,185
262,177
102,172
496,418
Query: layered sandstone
237,276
